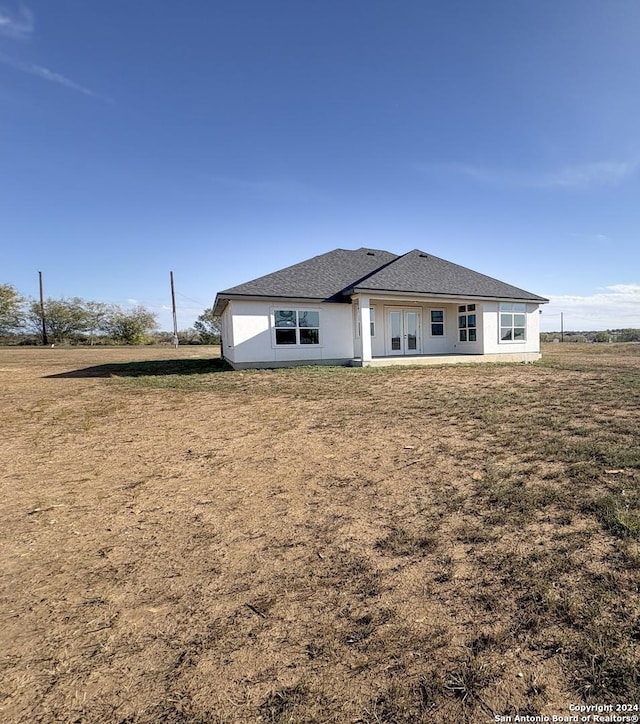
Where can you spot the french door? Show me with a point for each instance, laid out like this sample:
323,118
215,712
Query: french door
404,332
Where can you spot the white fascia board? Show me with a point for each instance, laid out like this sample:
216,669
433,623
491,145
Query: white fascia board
280,300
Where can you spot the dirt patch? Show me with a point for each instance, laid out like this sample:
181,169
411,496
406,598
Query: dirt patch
184,543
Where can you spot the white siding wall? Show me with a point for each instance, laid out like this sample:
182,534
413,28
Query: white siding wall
253,339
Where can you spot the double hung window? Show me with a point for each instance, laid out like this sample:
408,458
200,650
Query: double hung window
437,322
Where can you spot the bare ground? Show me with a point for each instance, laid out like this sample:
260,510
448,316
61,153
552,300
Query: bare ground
182,543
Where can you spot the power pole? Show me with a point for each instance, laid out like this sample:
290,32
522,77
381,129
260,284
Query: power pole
175,319
562,326
45,339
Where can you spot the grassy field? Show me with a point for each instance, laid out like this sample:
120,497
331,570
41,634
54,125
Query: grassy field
181,543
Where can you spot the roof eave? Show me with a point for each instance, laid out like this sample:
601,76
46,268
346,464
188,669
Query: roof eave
219,305
223,298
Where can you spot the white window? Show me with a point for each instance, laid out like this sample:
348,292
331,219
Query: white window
467,323
372,321
296,327
513,322
437,322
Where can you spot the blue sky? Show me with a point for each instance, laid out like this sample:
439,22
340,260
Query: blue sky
227,139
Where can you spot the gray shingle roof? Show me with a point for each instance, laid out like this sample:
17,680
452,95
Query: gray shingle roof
323,277
427,274
337,274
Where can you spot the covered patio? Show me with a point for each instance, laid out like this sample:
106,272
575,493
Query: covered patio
421,329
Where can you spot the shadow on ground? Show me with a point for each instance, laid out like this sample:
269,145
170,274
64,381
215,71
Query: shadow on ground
149,368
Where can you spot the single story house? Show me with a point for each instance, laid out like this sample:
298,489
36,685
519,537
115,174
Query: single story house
370,307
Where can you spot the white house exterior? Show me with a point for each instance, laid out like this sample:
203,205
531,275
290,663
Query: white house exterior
369,307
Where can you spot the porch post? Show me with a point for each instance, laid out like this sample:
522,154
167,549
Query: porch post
365,329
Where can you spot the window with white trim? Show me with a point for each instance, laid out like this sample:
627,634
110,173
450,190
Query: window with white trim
372,321
513,322
296,327
467,323
437,322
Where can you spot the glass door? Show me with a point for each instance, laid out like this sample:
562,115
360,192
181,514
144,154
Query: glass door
411,332
395,327
403,332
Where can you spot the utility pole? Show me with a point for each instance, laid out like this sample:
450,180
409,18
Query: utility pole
562,326
45,339
175,319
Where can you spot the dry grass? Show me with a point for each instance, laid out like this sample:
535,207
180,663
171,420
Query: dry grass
182,543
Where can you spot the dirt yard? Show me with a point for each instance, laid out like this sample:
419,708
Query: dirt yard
182,543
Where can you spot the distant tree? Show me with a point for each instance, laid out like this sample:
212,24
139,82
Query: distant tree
12,314
161,337
208,327
97,318
131,326
628,335
64,318
189,336
601,337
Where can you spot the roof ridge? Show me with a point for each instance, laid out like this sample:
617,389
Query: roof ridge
349,289
379,269
370,248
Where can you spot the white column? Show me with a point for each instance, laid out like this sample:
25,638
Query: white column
357,338
365,329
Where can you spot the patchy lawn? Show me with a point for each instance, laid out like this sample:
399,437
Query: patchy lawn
181,543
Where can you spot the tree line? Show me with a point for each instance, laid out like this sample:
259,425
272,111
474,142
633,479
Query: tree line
610,335
77,320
